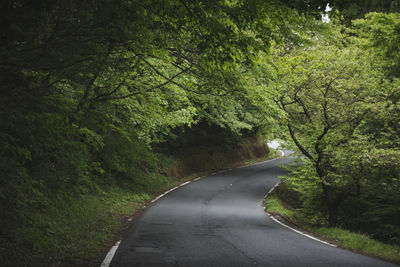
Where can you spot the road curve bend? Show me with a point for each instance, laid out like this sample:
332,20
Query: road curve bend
219,221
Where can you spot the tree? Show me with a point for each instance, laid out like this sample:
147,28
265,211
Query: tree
324,93
87,88
380,34
350,10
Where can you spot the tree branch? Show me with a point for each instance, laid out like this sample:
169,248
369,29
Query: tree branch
302,149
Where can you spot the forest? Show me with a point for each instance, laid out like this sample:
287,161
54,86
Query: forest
99,100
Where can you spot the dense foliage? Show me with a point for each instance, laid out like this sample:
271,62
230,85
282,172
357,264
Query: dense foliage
94,93
340,103
90,88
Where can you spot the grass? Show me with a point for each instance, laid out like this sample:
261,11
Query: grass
360,243
79,230
73,232
274,206
343,238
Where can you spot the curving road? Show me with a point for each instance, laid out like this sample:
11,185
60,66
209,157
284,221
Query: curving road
219,221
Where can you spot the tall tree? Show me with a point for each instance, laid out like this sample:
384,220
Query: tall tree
324,93
380,34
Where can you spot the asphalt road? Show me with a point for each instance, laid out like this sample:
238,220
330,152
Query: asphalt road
219,221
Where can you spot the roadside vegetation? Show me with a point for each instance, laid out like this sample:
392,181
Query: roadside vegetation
340,105
105,103
79,231
355,241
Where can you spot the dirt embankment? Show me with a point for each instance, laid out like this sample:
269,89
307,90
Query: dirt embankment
205,160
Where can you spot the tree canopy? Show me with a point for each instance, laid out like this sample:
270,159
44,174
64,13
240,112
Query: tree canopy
95,93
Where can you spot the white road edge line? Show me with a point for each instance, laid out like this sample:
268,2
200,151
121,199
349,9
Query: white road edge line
282,154
112,251
291,228
299,232
163,194
272,189
110,255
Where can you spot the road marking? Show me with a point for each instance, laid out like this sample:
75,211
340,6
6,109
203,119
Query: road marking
112,251
110,255
262,162
291,228
163,194
272,189
299,232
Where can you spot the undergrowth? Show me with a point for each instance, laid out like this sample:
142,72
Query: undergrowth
78,230
357,242
71,231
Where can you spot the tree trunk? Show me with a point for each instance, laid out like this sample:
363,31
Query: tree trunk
333,214
332,201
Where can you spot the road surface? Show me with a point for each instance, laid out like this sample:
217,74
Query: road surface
219,221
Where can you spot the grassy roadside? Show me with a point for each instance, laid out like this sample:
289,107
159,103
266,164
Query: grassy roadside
345,239
78,231
126,210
